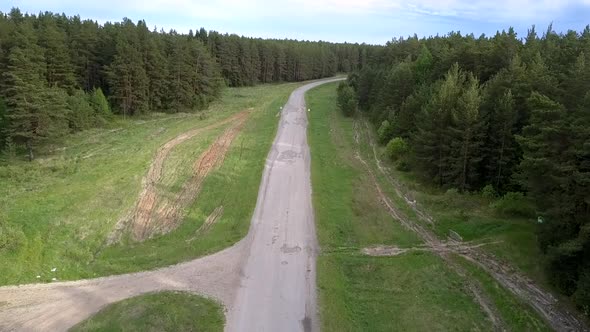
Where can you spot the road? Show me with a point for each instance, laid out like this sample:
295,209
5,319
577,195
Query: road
277,291
266,281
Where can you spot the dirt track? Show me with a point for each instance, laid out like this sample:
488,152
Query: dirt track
266,281
542,301
147,219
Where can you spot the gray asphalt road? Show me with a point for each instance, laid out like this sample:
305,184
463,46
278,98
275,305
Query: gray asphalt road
277,288
266,281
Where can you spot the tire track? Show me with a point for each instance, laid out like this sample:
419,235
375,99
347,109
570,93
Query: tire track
544,303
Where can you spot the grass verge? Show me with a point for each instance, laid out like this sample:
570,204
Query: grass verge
411,292
165,311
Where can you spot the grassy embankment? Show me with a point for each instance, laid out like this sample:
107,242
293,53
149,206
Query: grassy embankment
165,311
414,291
58,210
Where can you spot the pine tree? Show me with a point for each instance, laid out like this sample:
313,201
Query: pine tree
59,70
423,65
179,86
99,103
35,113
156,67
81,114
467,140
127,77
3,124
432,141
555,171
503,126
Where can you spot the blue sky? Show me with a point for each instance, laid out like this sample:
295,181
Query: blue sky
371,21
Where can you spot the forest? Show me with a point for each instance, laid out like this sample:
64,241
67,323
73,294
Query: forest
500,116
63,74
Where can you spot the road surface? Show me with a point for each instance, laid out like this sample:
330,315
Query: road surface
266,281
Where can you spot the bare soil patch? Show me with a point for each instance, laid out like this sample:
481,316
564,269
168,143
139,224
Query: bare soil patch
153,214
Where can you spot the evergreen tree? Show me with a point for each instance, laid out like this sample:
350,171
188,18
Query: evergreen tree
81,114
99,103
467,140
3,124
346,99
127,77
33,110
59,70
432,141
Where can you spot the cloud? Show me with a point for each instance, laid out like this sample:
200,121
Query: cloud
497,10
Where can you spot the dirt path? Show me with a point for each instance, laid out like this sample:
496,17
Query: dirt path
542,301
266,281
145,220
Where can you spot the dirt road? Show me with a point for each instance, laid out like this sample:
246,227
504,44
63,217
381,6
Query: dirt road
266,281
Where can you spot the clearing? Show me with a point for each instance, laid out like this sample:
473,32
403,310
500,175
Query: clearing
279,250
73,198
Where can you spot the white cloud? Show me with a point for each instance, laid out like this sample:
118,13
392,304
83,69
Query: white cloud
230,9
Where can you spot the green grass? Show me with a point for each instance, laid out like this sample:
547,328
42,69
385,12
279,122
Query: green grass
515,314
58,210
471,216
166,311
411,292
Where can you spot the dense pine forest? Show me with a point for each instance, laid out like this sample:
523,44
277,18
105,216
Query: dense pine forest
501,115
62,74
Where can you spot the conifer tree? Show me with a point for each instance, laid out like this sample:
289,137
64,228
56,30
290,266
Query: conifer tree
99,103
31,115
59,70
467,139
127,77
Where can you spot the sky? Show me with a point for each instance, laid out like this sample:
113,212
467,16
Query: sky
369,21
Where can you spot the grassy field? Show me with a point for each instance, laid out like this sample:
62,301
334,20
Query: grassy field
165,311
415,291
58,210
412,292
512,239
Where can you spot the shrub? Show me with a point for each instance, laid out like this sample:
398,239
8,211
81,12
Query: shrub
384,132
489,192
403,165
81,113
396,149
346,99
514,204
99,103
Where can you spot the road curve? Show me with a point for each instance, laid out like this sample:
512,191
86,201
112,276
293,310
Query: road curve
266,281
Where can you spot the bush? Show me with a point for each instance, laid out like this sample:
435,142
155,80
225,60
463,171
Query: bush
81,113
99,103
403,165
514,204
396,149
384,132
346,99
489,192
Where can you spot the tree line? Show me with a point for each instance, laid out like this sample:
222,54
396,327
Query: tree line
500,114
61,74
